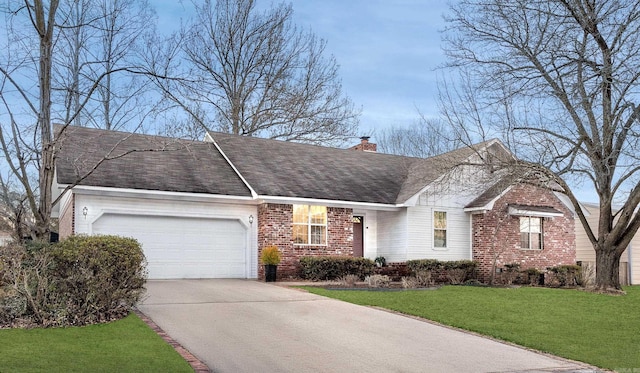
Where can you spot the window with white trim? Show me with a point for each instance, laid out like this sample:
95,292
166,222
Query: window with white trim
309,225
439,229
530,233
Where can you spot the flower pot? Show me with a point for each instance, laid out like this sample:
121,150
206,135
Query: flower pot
270,272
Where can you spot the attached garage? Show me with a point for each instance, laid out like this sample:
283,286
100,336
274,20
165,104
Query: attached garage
183,247
183,200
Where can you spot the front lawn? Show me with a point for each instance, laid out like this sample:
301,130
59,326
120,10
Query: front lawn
597,329
126,345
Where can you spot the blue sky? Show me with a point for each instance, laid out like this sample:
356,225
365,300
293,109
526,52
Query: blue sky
388,51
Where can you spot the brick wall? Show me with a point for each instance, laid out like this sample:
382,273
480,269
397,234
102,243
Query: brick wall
66,223
497,234
275,227
365,145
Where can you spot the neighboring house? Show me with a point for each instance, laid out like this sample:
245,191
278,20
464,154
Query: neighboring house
206,209
585,253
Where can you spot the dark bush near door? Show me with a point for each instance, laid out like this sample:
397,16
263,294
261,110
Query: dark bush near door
81,280
318,268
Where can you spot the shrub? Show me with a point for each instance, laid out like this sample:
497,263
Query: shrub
511,272
318,268
378,281
566,275
81,280
587,275
100,277
27,287
349,280
423,278
409,282
473,282
424,265
270,255
458,271
531,276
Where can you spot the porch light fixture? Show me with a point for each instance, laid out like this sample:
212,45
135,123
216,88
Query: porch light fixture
85,211
250,219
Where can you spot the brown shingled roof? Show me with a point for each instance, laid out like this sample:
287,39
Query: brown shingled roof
272,168
286,169
155,163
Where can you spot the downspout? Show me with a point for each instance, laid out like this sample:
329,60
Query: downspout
630,263
470,236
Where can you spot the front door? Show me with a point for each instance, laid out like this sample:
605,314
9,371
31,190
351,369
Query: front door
358,243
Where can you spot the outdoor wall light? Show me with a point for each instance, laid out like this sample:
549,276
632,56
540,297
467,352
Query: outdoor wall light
85,211
250,219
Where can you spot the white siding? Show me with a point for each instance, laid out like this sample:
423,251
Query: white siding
99,206
370,232
392,235
420,234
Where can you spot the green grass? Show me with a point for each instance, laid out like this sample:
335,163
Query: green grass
126,345
597,329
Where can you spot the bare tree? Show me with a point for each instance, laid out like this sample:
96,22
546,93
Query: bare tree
14,214
36,89
568,72
424,138
252,72
102,36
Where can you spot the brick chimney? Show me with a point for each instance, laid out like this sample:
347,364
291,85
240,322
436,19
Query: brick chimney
365,145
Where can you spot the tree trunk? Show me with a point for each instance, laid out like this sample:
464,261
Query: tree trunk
607,269
45,24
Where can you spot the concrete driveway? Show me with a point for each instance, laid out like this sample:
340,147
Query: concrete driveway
249,326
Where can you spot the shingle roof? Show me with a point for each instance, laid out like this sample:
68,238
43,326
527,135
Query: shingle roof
156,163
272,168
278,168
490,194
286,169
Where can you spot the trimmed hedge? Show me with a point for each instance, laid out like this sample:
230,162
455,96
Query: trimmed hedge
318,268
424,265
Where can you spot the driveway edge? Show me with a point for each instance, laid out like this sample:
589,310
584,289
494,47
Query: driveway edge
197,365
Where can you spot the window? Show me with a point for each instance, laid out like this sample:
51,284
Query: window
439,229
309,225
530,233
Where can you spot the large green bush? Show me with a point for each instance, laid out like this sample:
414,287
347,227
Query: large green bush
318,268
81,280
102,277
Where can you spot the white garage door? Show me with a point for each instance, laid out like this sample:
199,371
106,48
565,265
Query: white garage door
179,247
